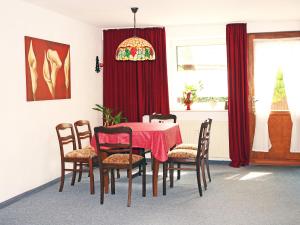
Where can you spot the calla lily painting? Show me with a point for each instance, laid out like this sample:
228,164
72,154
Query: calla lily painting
47,70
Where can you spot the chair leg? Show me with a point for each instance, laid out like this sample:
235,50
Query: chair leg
207,168
199,178
129,174
118,173
144,180
62,177
92,185
80,172
171,173
140,169
152,163
142,153
74,173
112,181
178,171
165,178
203,174
101,170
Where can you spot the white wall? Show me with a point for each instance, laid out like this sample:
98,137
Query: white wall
275,26
29,147
190,121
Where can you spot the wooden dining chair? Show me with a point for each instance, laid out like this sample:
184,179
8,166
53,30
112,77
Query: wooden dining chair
84,137
113,154
193,159
160,118
205,154
83,133
66,137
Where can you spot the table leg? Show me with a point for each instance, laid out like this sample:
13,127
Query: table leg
106,183
155,176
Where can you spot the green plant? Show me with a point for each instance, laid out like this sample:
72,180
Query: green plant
108,117
213,99
189,94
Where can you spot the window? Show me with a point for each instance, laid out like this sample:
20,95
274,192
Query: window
275,68
201,67
201,57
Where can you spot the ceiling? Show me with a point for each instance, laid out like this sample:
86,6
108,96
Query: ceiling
117,13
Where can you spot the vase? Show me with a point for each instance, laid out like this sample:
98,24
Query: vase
188,106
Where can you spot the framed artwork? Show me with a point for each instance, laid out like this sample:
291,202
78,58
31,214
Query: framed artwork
48,74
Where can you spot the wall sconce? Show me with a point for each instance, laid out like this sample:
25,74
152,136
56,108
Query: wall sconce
98,65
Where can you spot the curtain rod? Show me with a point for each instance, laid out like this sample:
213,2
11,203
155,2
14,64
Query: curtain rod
120,28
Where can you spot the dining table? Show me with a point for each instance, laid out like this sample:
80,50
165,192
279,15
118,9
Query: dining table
158,137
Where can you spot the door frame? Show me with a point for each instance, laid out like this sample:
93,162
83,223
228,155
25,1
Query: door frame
268,158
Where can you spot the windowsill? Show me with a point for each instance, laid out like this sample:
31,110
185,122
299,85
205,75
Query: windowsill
198,110
200,107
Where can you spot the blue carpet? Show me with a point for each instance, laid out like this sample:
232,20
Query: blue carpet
258,195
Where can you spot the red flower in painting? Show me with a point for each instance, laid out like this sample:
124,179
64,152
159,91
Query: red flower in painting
133,51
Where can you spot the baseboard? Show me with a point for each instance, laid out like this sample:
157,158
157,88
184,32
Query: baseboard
223,162
30,192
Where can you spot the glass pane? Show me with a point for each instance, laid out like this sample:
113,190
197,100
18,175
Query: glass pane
276,72
200,57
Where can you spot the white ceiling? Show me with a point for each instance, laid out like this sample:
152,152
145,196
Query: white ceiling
117,13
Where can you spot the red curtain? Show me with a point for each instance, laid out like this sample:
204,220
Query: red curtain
239,147
135,88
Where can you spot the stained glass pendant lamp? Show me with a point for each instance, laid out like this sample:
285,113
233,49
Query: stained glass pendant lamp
135,48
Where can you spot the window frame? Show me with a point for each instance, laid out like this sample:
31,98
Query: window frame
173,61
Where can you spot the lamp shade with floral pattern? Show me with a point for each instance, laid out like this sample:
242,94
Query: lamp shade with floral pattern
135,48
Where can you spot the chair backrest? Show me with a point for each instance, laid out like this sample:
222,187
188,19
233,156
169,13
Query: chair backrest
209,125
207,136
203,140
163,118
83,131
111,140
65,134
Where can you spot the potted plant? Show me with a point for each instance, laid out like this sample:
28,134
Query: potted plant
189,94
212,100
108,117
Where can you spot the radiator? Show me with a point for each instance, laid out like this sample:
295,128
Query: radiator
219,146
190,122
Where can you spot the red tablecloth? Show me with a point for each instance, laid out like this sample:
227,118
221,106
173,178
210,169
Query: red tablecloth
159,137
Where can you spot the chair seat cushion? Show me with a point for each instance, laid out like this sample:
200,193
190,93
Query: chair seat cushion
187,146
182,153
121,159
84,153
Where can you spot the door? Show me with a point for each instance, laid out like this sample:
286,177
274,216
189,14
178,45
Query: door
279,122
